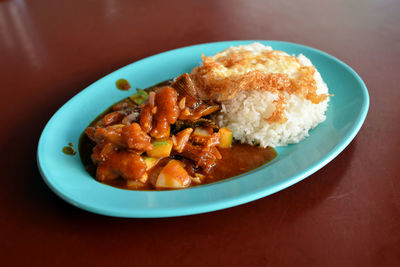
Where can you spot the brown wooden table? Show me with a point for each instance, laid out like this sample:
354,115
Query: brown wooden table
346,214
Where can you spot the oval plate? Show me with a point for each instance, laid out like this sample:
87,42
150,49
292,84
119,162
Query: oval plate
67,177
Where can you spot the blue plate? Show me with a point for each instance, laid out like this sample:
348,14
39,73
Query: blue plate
67,177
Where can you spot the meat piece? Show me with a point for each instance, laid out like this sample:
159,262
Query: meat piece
161,130
146,118
199,145
186,89
102,152
195,114
90,133
128,165
189,166
113,118
216,152
213,140
122,136
205,159
135,138
147,113
181,139
109,134
105,173
130,118
166,102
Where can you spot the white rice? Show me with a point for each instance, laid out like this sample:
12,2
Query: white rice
244,115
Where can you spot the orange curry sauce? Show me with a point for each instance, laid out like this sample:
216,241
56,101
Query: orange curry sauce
236,160
233,161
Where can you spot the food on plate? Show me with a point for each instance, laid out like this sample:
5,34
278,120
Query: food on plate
221,120
69,150
123,84
267,97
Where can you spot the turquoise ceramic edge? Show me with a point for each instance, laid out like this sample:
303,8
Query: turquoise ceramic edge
233,201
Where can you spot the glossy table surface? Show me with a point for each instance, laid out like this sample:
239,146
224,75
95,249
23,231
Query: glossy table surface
346,214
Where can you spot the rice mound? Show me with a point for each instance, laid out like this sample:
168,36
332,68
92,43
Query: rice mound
248,114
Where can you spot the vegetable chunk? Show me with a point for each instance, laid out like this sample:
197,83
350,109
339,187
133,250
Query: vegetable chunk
161,148
173,176
150,162
226,137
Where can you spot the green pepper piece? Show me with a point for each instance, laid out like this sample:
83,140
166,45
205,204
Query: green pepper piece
139,97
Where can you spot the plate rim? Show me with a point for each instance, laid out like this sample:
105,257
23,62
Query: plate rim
233,200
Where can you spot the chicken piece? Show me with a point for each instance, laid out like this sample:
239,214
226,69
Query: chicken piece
135,138
126,164
101,152
113,118
201,147
131,117
90,133
160,112
180,139
146,118
204,158
189,166
109,134
105,173
166,102
123,136
207,161
161,130
213,141
216,152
